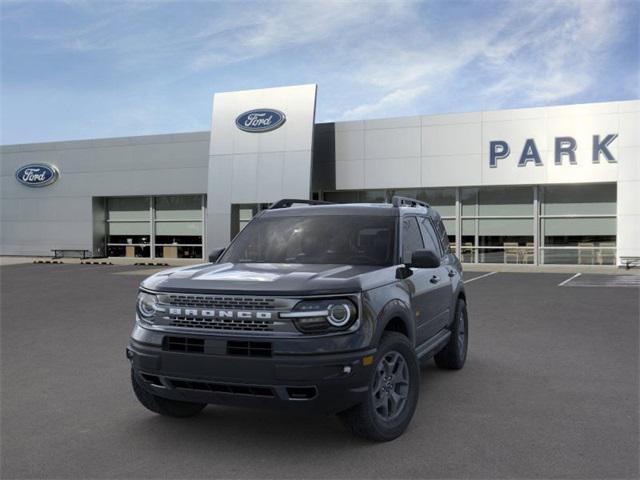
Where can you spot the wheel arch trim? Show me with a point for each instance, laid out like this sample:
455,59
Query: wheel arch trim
395,309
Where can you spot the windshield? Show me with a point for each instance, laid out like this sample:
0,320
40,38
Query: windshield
330,239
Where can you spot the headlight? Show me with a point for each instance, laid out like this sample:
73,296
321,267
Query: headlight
147,306
319,316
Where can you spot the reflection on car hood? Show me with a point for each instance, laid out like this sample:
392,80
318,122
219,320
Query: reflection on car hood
271,278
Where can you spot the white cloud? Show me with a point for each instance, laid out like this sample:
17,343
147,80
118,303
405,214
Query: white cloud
256,32
370,58
389,102
552,57
533,53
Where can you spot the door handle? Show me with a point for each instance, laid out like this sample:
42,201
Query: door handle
452,273
435,279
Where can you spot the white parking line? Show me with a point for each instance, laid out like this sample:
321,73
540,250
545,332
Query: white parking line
479,277
569,279
612,281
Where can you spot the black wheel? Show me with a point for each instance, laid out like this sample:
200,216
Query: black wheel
392,395
164,406
454,354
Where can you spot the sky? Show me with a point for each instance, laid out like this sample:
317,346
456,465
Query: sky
79,69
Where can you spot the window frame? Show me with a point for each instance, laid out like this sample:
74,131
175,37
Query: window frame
402,235
434,238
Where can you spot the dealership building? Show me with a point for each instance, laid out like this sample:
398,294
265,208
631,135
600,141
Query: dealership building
552,185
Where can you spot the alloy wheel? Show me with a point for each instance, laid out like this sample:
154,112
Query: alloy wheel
390,386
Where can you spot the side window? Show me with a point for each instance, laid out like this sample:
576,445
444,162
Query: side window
444,238
430,238
411,238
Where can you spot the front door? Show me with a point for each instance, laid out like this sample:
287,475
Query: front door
440,299
427,286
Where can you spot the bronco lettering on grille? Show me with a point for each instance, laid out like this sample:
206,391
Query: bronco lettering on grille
208,313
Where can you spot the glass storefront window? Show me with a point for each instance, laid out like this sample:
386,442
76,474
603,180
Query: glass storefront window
355,196
129,228
341,197
469,201
594,240
579,256
245,215
505,201
177,231
128,208
497,201
442,199
499,240
371,196
577,223
589,228
179,207
178,251
598,199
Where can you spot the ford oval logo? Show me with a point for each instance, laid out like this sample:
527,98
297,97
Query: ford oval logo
260,120
37,175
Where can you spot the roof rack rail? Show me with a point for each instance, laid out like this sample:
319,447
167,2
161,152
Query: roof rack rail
288,202
398,201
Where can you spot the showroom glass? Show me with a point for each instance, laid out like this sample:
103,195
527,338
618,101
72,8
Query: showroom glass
167,226
178,226
242,213
356,196
441,199
497,225
328,239
129,228
573,224
578,224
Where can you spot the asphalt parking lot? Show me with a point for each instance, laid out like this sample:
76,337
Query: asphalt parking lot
550,390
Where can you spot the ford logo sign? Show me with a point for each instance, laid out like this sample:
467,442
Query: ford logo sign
37,175
260,120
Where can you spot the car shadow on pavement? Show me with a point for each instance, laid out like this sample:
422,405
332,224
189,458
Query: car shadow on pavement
258,426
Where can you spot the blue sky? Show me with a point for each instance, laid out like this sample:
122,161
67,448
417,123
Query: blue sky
85,69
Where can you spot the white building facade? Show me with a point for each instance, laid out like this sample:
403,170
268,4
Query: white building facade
553,185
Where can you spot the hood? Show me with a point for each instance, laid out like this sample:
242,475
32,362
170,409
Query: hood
270,278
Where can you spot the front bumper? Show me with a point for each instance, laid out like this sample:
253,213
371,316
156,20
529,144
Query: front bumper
323,383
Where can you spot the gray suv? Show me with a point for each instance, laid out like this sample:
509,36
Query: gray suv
314,307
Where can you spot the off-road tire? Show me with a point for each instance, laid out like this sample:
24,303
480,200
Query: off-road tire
454,354
164,406
363,419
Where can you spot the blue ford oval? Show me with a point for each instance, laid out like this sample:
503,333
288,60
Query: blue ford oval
260,120
37,175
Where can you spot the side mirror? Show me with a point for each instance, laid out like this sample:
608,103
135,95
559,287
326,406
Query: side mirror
215,254
424,259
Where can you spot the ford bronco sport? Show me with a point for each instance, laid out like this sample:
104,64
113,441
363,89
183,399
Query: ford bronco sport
313,306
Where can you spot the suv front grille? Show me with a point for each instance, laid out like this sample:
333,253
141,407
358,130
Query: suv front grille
234,324
253,390
222,302
249,349
183,344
